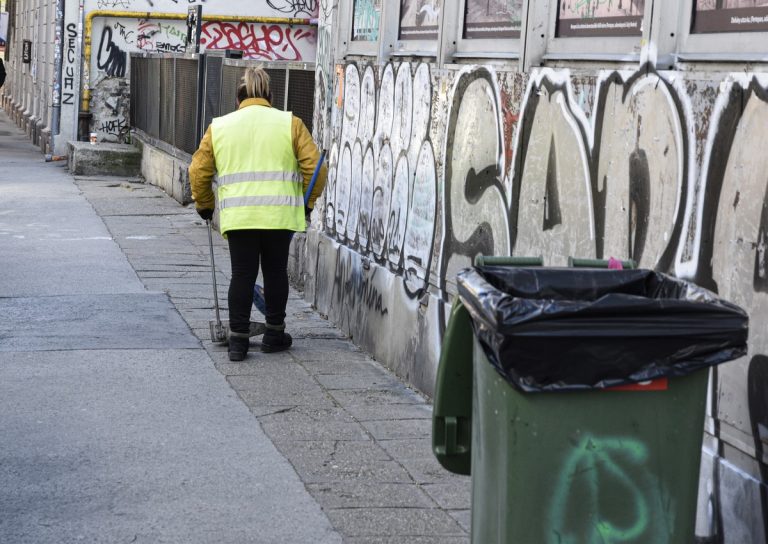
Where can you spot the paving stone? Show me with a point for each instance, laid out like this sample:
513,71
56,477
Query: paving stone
411,448
266,396
410,540
402,522
454,493
426,470
370,495
329,461
312,424
394,395
399,429
390,412
344,367
463,518
379,380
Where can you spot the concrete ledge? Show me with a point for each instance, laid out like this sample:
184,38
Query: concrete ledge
165,169
86,159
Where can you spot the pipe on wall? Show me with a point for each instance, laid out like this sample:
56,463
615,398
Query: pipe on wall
58,59
85,80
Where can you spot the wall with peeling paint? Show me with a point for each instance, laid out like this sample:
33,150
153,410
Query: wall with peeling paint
430,166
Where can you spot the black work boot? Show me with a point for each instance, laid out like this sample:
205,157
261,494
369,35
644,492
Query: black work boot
238,345
275,339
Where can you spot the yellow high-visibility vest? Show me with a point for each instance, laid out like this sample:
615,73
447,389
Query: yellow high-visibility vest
259,180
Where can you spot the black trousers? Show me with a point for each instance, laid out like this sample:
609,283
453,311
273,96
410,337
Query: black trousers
248,249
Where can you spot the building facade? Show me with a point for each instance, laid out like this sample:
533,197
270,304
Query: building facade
631,129
69,60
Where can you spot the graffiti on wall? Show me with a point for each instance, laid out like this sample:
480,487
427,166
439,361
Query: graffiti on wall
387,213
613,164
265,8
261,41
731,212
114,40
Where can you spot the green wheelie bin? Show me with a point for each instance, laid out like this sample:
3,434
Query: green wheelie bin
579,411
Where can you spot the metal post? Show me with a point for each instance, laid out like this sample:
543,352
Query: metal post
199,111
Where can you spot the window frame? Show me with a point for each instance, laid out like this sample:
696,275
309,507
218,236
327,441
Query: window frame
346,23
737,47
393,46
485,48
544,46
666,25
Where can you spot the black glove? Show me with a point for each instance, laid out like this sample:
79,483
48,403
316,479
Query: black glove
205,213
307,212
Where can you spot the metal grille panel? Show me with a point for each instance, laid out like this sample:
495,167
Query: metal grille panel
301,95
277,86
213,69
230,79
167,96
185,105
164,95
153,105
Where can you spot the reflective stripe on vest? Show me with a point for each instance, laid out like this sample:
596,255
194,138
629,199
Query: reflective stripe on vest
262,201
259,182
261,176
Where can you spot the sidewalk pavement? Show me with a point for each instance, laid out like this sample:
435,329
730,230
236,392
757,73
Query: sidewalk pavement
357,437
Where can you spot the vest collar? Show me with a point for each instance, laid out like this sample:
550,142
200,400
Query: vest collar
254,102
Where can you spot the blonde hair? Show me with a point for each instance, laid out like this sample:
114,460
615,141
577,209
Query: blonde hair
255,84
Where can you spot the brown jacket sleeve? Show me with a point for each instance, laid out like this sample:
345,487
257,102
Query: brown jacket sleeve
201,173
308,156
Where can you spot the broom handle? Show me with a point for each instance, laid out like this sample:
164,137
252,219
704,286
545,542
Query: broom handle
314,178
213,273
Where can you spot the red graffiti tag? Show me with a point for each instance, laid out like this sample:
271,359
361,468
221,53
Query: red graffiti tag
148,30
269,42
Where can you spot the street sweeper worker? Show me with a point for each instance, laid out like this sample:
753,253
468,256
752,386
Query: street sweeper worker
265,159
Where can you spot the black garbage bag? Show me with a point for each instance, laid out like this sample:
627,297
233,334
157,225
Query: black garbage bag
555,329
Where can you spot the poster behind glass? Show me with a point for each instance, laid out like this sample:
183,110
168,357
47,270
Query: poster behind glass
493,18
730,16
582,18
366,17
419,19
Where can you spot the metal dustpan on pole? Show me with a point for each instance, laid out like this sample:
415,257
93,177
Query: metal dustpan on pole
219,328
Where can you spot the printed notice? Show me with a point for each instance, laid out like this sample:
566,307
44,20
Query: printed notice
582,18
419,19
730,16
493,18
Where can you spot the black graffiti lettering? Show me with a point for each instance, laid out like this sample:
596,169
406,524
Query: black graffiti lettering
112,4
353,286
114,126
68,99
294,7
124,32
169,47
110,57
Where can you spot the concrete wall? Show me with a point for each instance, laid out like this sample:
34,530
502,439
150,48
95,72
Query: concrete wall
165,168
433,164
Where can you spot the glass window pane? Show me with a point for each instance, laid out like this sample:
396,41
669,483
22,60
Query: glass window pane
730,16
365,20
600,18
493,18
419,19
